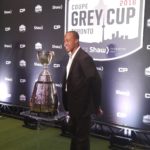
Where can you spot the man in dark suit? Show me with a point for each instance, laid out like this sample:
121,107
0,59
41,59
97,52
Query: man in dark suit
80,92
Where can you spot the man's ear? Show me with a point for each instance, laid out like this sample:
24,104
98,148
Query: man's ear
77,41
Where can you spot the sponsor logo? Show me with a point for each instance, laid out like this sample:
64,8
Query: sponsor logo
121,115
56,65
22,45
4,91
147,71
58,85
22,97
146,119
56,27
7,29
9,95
37,64
38,46
7,45
22,63
147,95
22,80
38,27
8,79
101,68
22,10
57,46
8,62
123,93
148,22
22,28
7,12
57,7
105,27
98,50
122,69
148,47
38,9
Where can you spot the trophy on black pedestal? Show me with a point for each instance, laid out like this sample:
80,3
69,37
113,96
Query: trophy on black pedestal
44,97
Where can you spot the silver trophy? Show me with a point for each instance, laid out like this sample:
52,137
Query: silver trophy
44,97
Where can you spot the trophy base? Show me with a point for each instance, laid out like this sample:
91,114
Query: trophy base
44,98
42,108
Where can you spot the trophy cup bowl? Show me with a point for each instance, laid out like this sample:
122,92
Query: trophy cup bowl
45,57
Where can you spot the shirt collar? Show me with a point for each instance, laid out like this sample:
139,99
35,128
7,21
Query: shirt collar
73,55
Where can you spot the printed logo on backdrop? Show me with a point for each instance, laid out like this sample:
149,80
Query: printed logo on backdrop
8,79
22,63
108,29
147,71
22,10
22,28
57,7
7,12
38,9
22,97
7,29
38,46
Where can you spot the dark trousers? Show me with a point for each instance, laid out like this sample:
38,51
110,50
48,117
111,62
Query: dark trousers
80,128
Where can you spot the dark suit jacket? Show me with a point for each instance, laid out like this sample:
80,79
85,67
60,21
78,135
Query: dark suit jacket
83,86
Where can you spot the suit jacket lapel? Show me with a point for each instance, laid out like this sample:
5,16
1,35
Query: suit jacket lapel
74,61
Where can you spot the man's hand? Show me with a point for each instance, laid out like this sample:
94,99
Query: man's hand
99,112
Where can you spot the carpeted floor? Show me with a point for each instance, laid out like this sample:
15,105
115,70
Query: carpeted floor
14,136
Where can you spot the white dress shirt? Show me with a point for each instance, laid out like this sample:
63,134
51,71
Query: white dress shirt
71,57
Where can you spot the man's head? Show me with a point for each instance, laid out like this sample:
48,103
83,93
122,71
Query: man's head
71,41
